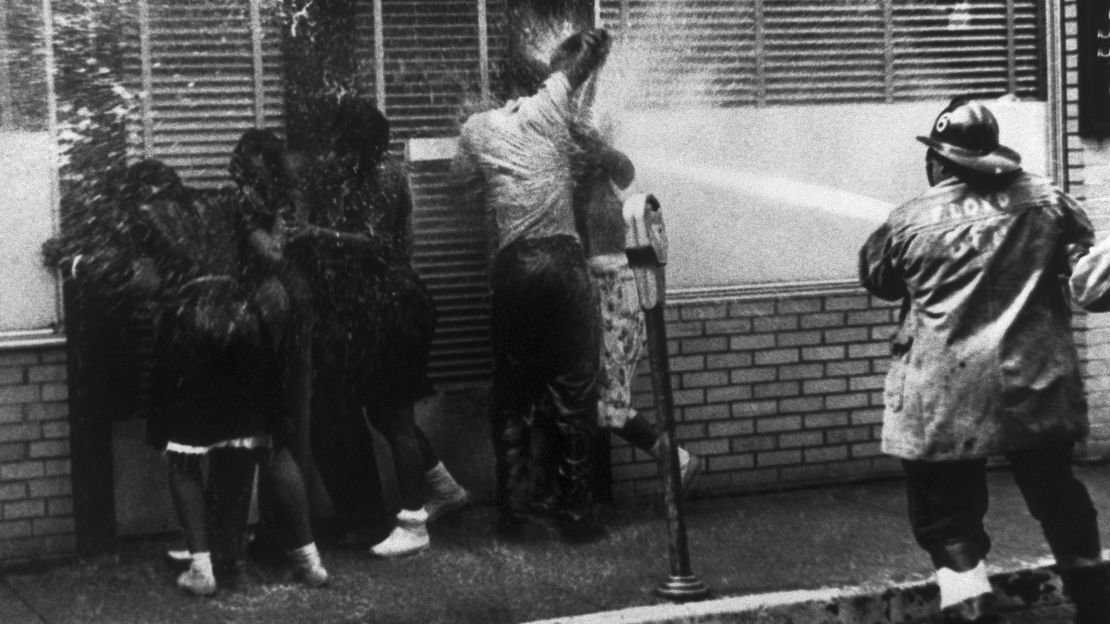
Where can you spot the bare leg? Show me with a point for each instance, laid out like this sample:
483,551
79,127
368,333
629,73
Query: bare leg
287,485
187,491
639,432
410,535
289,494
427,454
399,430
299,397
228,501
442,494
642,434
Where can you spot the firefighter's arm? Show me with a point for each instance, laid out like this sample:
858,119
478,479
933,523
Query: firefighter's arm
877,270
1089,281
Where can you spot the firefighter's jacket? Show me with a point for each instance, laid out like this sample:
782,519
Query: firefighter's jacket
984,361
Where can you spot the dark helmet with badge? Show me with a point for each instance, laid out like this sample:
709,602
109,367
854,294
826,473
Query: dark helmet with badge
966,133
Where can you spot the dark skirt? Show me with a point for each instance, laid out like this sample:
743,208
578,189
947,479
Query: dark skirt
374,331
217,374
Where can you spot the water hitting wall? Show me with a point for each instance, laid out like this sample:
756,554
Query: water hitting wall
776,149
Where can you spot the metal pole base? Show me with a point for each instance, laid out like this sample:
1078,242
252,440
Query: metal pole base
682,588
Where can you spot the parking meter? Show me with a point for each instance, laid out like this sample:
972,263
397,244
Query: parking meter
645,244
646,247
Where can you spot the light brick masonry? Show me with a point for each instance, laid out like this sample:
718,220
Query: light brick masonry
772,391
777,392
36,497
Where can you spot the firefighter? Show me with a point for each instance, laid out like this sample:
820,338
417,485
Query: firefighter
984,362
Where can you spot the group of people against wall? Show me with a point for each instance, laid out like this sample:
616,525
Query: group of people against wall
296,290
288,322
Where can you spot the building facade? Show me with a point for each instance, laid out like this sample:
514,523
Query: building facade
777,356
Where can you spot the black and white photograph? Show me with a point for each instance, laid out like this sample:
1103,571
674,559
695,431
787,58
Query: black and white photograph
555,311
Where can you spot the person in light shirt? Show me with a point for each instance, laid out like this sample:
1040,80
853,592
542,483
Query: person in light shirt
544,311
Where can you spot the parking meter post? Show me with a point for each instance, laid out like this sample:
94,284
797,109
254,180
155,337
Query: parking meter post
646,248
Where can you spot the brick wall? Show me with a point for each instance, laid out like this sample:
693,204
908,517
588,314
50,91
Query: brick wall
772,391
36,502
1088,173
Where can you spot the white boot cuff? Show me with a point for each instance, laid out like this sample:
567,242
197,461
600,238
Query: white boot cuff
956,587
413,515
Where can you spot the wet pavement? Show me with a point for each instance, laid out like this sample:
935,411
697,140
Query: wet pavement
854,538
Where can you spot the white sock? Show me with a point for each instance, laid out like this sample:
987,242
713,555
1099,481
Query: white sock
307,552
683,457
202,562
956,587
683,454
413,515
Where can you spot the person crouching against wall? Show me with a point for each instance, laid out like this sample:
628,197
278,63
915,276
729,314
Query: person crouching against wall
379,317
983,362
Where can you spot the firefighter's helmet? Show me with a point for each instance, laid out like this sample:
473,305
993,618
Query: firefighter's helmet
966,133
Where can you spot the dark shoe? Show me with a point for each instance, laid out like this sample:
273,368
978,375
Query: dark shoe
511,527
523,528
228,574
266,551
981,609
581,531
1089,589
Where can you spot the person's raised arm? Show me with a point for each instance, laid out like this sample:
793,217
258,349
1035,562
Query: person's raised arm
580,64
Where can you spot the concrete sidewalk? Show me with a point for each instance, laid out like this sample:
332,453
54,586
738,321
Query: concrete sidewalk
836,552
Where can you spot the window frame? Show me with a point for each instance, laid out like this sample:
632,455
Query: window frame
53,335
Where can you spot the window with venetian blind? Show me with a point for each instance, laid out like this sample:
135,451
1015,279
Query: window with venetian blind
426,64
210,69
768,52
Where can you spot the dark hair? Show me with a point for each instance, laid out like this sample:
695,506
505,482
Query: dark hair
359,128
256,141
147,172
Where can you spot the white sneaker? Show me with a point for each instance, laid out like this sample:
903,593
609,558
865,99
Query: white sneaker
199,579
309,569
409,537
444,493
